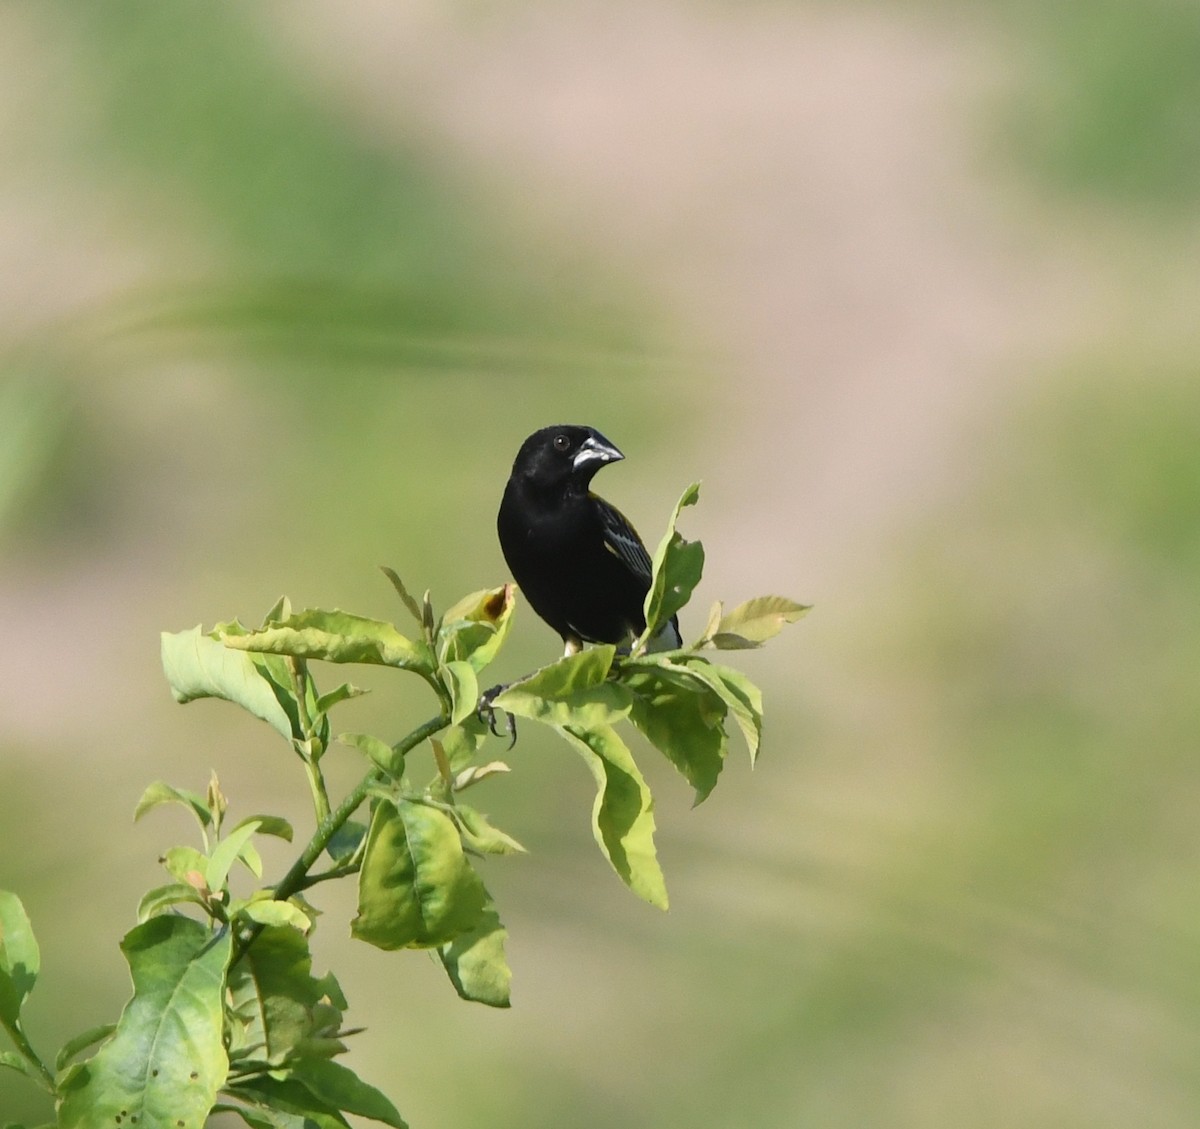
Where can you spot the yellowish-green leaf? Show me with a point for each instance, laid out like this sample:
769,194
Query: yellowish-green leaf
754,622
160,793
710,628
677,567
380,752
81,1042
474,773
162,898
187,865
20,958
416,888
274,825
743,698
277,999
251,858
267,911
414,609
226,853
623,814
198,666
476,964
475,628
480,835
280,610
462,742
568,675
681,717
572,691
339,694
166,1061
458,676
336,636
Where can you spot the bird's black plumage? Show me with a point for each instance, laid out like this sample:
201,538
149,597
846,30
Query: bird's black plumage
579,562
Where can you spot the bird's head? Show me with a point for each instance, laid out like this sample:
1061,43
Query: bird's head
565,456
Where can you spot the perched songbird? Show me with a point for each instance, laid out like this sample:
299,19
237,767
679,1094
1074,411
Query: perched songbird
579,562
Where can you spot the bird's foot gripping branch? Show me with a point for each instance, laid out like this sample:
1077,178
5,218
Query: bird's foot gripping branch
227,1014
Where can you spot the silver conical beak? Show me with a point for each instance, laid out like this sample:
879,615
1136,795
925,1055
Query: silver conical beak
595,450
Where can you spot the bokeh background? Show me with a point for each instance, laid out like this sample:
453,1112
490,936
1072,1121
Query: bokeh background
911,286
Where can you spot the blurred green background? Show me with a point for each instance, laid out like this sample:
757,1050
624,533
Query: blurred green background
910,286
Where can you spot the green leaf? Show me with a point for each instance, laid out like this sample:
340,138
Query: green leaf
743,698
428,622
166,1061
274,992
160,793
14,1061
198,666
480,835
20,959
569,675
336,636
379,752
476,964
677,567
342,693
81,1042
414,609
267,911
475,628
258,1118
226,853
251,858
333,990
346,839
280,610
461,742
751,624
727,641
274,825
459,679
340,1087
288,1099
683,719
416,888
623,815
163,898
474,773
186,864
572,691
710,628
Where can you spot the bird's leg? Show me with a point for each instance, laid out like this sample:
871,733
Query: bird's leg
487,713
572,645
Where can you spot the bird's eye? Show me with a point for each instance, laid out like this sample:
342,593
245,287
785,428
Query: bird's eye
562,442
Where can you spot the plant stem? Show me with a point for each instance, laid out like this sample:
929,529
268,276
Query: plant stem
311,880
296,878
44,1077
316,784
316,780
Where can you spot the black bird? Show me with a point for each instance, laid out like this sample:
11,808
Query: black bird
581,565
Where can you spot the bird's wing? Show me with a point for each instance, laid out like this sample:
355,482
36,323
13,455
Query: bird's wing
622,540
